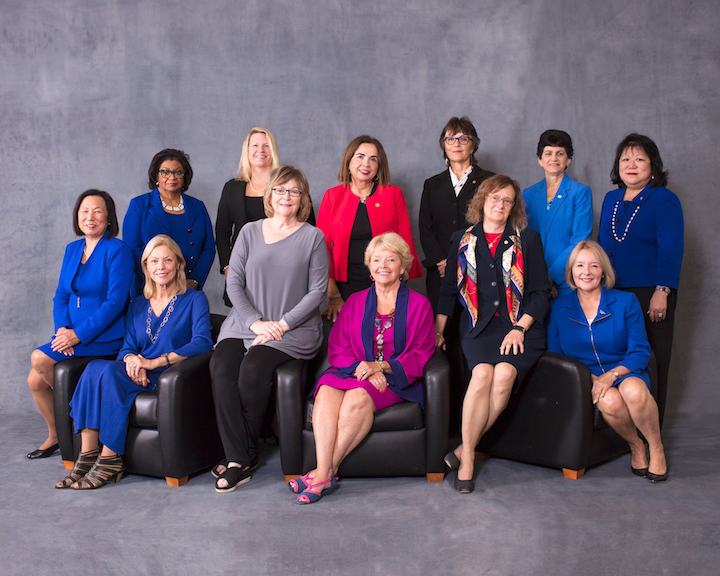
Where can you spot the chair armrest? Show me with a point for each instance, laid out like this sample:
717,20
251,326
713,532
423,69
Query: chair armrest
436,391
290,378
186,415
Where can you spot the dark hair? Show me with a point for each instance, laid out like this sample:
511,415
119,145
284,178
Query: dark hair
170,154
463,125
113,227
383,173
475,211
558,138
634,140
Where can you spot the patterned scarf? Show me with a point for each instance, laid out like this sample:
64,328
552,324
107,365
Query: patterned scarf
513,267
467,275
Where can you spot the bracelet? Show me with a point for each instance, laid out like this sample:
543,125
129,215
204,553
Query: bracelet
440,334
663,289
333,296
518,328
126,356
167,359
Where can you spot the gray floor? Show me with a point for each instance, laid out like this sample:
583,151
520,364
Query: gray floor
523,520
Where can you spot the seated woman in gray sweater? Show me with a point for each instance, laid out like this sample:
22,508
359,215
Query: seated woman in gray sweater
276,281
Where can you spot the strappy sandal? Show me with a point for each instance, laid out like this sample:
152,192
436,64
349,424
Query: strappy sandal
299,485
105,469
235,477
82,466
309,496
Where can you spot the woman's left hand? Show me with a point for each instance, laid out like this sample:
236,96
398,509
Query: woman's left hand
365,370
513,342
379,381
601,384
195,284
64,341
658,306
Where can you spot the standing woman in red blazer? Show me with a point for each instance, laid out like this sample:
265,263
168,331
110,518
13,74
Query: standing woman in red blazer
365,205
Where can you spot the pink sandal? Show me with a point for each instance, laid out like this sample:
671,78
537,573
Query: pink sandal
309,496
299,485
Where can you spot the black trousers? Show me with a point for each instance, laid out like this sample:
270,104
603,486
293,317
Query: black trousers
242,384
660,336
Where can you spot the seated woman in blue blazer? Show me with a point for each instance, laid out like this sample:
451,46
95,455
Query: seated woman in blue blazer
604,328
166,210
89,305
558,207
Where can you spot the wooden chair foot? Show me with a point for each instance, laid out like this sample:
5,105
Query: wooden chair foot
176,481
289,477
573,474
69,464
436,476
480,456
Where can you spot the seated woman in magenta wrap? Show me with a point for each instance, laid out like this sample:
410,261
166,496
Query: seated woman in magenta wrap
169,323
604,328
378,348
89,305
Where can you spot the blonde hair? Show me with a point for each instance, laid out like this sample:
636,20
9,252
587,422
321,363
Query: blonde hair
244,171
180,279
475,211
282,175
608,279
394,243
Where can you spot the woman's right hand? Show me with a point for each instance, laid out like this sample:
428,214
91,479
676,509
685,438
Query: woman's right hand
379,380
268,329
333,308
135,371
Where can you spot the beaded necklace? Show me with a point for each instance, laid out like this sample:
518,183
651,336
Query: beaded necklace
179,208
170,308
614,217
381,327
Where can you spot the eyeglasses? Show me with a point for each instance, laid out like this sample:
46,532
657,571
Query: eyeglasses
167,173
494,199
462,139
282,191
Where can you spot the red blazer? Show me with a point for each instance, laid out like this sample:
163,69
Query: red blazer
387,212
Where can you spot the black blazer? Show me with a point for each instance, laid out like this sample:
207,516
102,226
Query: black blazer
490,286
231,217
442,213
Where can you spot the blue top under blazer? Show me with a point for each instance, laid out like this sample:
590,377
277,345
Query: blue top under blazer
651,253
617,334
568,221
146,218
95,308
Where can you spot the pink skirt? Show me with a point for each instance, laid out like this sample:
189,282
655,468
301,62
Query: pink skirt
381,399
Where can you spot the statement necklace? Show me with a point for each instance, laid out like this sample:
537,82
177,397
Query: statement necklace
614,217
179,208
381,327
170,308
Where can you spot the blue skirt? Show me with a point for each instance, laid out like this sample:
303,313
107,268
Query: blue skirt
93,349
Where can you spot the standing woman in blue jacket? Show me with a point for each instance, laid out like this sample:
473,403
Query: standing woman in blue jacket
641,229
558,207
604,329
167,210
89,305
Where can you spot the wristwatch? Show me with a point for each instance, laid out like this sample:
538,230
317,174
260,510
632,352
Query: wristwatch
615,373
663,288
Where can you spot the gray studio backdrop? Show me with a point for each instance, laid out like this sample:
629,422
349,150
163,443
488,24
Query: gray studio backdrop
91,90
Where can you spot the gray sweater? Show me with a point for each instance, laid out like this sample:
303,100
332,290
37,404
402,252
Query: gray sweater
287,279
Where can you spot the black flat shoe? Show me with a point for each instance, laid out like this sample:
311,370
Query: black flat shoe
46,453
642,472
452,461
656,477
464,486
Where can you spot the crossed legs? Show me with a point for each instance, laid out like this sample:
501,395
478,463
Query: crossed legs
40,381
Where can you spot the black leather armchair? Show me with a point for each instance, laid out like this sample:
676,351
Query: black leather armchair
404,439
171,434
551,420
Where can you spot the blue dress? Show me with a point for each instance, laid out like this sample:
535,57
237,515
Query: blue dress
616,337
105,393
92,298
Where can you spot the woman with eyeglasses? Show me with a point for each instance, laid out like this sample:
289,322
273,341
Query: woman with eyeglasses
167,210
496,270
443,207
276,281
365,205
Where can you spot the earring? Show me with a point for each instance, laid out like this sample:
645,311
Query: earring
157,183
447,162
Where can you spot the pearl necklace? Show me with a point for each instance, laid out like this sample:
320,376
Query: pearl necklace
262,188
614,217
178,208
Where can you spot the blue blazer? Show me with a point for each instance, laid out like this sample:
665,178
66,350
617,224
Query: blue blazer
95,308
617,334
146,218
568,221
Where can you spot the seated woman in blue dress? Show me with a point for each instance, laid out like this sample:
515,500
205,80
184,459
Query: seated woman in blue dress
169,323
378,348
604,329
89,305
167,210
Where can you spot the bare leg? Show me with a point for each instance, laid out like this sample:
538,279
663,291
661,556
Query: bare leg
356,418
40,381
616,414
326,412
644,413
